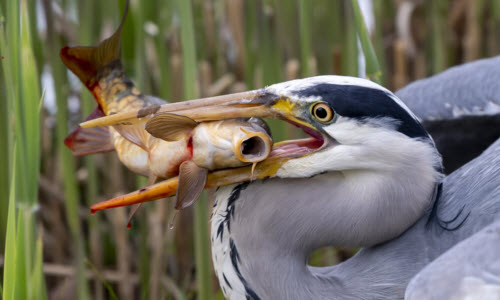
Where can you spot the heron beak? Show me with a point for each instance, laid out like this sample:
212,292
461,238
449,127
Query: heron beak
258,103
168,188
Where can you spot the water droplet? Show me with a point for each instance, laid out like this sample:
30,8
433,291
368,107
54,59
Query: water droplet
92,211
172,221
129,225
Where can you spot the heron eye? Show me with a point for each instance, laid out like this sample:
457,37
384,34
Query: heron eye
322,112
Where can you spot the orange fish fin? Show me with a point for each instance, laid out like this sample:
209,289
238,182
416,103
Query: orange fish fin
170,127
192,180
86,62
84,141
135,134
133,210
135,207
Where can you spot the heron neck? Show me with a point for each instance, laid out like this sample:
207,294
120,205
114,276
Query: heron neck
249,264
264,232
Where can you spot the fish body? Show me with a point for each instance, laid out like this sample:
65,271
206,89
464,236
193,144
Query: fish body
178,147
210,145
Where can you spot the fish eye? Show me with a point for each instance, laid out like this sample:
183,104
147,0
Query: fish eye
322,112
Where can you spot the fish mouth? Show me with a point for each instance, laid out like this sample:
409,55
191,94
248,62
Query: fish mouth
259,104
253,147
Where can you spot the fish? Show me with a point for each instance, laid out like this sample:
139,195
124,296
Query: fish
171,145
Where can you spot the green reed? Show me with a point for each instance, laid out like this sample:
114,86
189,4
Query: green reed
23,278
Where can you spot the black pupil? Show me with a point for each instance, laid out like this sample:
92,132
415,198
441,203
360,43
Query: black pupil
321,112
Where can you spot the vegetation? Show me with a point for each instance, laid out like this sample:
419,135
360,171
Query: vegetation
51,247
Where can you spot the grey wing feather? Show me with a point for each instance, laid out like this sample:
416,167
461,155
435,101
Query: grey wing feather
464,90
471,196
469,270
460,108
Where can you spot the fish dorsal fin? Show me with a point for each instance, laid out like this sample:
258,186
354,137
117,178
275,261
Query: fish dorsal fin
192,180
170,127
135,134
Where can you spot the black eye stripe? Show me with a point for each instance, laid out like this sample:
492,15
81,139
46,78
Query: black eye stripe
360,102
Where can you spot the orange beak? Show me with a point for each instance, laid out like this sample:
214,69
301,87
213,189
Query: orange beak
168,188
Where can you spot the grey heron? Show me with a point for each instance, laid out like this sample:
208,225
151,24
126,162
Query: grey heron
369,176
376,179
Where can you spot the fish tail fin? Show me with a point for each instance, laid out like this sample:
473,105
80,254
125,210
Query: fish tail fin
86,62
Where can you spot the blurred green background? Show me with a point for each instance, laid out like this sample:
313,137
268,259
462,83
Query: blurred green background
51,247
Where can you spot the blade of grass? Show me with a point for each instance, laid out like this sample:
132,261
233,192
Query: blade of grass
22,284
30,109
270,63
349,56
140,64
165,89
36,40
495,10
9,269
9,48
24,109
325,16
202,251
305,12
31,100
378,8
6,91
373,70
270,59
251,25
437,39
13,34
37,290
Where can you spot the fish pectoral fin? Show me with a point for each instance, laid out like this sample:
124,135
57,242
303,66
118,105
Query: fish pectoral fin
192,180
135,134
135,207
133,210
84,141
170,127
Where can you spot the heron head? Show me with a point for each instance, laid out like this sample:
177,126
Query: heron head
354,124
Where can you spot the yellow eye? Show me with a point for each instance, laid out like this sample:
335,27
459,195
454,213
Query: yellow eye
322,112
